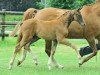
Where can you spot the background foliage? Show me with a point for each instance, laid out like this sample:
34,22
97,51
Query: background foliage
70,4
22,5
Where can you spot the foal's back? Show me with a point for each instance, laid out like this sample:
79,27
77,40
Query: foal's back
48,29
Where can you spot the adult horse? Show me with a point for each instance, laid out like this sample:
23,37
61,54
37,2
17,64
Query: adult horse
90,32
43,29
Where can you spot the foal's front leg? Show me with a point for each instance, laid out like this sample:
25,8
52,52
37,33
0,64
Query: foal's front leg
51,60
61,39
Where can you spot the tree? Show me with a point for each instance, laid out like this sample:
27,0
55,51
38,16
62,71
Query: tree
70,4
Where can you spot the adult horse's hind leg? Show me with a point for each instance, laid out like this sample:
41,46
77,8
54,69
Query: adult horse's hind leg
51,60
91,41
48,45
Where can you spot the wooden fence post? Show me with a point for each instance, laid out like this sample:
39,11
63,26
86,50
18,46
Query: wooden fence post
3,22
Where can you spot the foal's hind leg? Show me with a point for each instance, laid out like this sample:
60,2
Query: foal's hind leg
34,39
27,47
13,57
51,60
24,52
17,49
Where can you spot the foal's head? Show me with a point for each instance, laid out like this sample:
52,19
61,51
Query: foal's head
74,15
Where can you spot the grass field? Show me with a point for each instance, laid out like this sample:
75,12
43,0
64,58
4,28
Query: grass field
64,55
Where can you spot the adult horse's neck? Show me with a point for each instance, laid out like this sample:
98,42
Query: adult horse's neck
90,9
97,0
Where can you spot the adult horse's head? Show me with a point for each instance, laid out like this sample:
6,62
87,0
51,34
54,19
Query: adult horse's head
74,15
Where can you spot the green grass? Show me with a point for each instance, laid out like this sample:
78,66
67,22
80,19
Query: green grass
64,55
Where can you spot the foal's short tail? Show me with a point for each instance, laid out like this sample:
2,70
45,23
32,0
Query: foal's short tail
17,27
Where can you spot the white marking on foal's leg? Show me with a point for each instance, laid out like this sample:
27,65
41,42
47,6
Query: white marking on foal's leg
33,56
57,65
52,61
12,61
22,57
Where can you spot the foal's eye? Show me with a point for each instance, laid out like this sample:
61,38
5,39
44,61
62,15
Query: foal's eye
77,15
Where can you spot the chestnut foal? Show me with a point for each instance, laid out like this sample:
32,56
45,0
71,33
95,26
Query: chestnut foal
54,30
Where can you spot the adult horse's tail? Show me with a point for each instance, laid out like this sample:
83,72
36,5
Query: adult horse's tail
28,14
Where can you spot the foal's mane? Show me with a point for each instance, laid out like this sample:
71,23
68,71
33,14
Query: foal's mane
63,14
69,17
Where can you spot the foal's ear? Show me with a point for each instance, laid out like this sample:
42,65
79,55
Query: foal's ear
79,9
35,11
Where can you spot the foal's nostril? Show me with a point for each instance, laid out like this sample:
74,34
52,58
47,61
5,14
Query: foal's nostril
83,24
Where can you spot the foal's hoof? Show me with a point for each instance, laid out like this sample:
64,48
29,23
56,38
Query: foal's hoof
36,63
60,66
9,68
80,64
19,62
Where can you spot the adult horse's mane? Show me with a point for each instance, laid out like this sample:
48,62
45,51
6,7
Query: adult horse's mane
90,4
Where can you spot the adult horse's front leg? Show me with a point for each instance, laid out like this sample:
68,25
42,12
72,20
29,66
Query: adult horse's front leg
91,41
51,60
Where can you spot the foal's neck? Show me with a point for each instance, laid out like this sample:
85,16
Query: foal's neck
66,20
63,19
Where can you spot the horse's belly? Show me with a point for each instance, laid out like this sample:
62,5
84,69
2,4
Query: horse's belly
46,35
